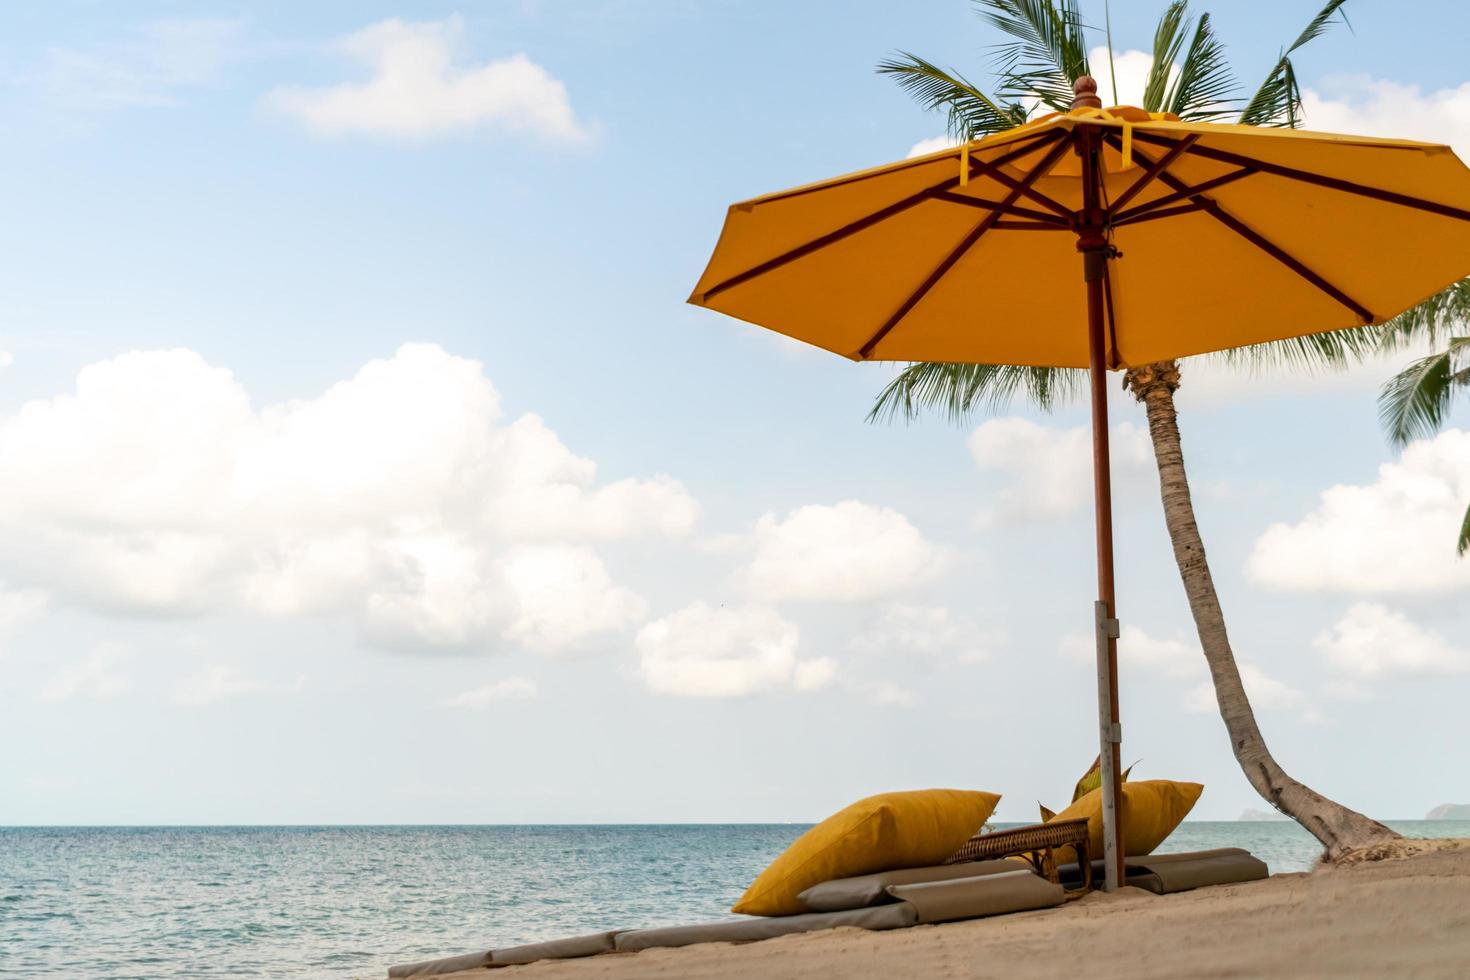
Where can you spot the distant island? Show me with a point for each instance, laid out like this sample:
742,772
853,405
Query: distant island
1449,811
1249,814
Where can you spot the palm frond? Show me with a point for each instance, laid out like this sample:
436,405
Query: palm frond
971,113
1112,69
1464,544
1415,401
1048,54
1329,351
1204,88
1431,320
1278,102
959,390
1168,42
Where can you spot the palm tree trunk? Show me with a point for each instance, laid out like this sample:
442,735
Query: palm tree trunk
1339,828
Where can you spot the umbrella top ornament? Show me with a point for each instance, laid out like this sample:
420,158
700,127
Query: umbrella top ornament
952,256
1194,237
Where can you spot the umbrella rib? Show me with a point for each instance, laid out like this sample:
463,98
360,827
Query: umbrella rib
975,234
1156,168
1154,214
865,221
1028,226
1212,208
993,171
1306,176
1134,214
1020,212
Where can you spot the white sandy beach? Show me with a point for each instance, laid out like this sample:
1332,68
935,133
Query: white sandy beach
1395,918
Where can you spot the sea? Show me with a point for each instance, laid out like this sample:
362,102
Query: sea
347,902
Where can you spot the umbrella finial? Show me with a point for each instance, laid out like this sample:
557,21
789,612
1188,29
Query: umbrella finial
1084,93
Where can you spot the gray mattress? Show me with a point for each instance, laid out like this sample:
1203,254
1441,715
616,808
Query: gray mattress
906,898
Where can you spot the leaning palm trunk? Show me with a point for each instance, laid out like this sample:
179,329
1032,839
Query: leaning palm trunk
1339,828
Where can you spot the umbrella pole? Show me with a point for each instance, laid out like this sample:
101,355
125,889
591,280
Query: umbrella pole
1092,243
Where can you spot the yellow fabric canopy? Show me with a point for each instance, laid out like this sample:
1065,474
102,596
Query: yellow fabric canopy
1225,236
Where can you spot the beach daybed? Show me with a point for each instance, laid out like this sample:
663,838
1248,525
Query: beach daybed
1165,874
888,900
912,858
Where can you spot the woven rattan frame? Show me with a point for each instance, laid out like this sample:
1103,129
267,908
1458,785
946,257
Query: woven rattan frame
1037,844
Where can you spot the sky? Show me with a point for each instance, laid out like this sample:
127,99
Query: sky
360,461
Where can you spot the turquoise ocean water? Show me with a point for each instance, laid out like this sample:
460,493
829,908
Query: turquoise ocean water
343,902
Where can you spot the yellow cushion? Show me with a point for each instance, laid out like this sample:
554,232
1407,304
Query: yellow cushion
881,833
1152,808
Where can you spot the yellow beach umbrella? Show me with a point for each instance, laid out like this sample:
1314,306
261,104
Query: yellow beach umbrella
1194,237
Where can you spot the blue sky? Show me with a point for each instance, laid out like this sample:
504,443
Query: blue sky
262,562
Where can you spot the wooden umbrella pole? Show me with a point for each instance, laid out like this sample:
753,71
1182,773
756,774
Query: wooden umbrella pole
1092,243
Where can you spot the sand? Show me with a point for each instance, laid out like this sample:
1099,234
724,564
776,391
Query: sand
1407,917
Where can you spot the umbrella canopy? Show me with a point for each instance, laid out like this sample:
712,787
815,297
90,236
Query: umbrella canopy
1228,236
1194,237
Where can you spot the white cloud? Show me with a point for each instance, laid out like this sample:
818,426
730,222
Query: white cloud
813,675
19,606
399,498
888,695
1395,535
706,652
220,682
1132,68
1179,657
1378,107
931,145
147,69
1175,656
417,89
849,552
1265,692
1372,641
6,358
904,630
1049,469
509,689
91,679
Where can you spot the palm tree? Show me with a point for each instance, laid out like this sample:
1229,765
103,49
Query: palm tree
1036,69
1417,400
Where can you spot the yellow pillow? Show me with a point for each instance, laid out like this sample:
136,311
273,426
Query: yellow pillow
1152,808
881,833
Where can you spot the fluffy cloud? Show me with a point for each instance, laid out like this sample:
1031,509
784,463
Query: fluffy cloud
931,145
849,552
1265,692
94,678
509,689
904,630
1372,641
1180,658
399,497
1395,535
1132,68
706,652
19,606
886,694
416,89
1049,470
1173,656
1377,107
